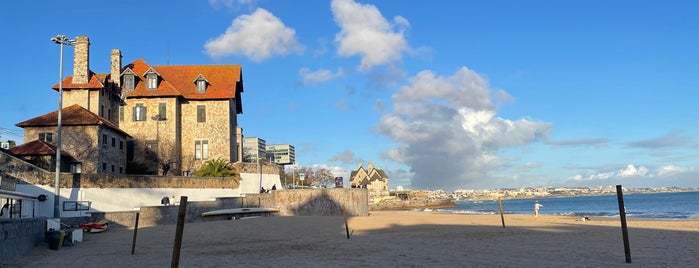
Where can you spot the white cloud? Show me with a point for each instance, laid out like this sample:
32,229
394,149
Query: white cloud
365,32
231,4
640,176
448,130
258,36
309,77
671,170
347,157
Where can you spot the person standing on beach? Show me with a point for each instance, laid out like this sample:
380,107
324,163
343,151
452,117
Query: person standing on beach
536,208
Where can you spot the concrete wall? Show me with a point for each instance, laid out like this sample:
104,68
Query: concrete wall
19,236
310,202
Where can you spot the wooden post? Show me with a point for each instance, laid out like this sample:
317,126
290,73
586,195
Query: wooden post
624,229
178,233
135,233
344,214
502,217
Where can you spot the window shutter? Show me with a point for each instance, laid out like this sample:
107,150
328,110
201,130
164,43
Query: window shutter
201,113
133,113
162,109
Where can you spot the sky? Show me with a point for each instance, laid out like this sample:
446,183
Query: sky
450,95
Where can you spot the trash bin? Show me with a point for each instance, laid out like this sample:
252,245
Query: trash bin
56,239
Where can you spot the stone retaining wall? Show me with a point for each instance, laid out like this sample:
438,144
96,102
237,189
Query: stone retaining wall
310,202
19,236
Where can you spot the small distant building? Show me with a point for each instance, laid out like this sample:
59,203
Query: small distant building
281,154
43,154
372,178
254,148
7,144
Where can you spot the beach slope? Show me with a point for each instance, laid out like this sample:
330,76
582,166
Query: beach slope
387,239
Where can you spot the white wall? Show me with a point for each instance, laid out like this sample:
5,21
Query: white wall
250,182
124,199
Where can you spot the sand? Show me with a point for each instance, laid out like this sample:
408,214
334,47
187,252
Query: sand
386,239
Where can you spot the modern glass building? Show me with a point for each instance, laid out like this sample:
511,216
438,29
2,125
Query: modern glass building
253,148
281,154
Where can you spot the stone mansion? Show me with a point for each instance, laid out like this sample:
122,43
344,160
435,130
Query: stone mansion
139,118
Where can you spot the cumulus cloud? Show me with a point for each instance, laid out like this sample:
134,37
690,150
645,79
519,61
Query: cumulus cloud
309,77
259,36
346,157
448,131
366,33
639,176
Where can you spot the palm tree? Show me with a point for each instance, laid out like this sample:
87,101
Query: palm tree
218,168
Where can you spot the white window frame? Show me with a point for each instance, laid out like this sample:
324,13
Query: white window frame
201,86
201,149
152,81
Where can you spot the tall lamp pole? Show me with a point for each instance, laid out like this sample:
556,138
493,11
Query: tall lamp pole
259,169
61,40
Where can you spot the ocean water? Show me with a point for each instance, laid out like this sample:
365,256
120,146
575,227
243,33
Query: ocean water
678,206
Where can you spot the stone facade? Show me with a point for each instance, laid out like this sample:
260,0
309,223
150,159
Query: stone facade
185,124
93,146
372,178
169,133
81,60
158,132
218,131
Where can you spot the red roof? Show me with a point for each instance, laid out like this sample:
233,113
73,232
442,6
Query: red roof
74,115
223,81
94,82
37,147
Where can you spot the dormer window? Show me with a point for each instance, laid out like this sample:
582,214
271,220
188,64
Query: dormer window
152,79
129,80
201,84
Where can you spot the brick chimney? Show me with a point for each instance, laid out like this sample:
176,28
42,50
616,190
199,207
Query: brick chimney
81,60
115,67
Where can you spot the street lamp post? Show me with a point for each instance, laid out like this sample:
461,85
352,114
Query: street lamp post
293,179
61,40
259,171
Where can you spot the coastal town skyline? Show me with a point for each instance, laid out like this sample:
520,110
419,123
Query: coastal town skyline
469,95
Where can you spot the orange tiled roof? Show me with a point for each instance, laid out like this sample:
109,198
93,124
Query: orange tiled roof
94,82
180,81
74,115
37,147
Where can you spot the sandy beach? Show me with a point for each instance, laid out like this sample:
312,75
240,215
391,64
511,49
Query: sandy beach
386,239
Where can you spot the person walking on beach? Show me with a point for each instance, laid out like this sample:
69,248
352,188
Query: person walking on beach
536,208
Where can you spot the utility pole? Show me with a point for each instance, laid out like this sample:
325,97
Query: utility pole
61,40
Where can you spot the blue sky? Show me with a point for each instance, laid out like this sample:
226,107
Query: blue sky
454,94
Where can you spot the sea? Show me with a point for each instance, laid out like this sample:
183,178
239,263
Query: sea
668,206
